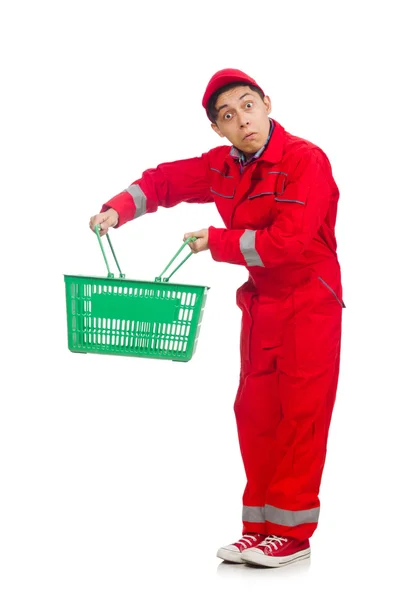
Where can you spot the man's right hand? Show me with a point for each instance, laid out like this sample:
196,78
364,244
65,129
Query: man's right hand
107,219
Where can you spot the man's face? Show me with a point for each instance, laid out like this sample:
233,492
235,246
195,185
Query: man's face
243,118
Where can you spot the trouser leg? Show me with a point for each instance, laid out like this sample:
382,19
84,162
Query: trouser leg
283,410
258,413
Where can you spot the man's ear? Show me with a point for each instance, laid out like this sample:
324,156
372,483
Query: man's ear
217,130
268,103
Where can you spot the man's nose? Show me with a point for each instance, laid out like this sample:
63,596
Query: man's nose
243,120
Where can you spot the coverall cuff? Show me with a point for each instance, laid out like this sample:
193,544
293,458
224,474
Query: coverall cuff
213,241
224,245
124,205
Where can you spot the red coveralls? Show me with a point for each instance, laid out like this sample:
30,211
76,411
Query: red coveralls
280,214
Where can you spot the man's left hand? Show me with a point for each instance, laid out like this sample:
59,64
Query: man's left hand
202,240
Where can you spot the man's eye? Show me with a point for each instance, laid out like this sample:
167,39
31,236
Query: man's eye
249,104
228,116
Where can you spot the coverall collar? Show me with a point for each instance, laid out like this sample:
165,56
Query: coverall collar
272,152
240,156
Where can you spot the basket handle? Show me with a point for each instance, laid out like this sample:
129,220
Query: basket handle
165,279
110,275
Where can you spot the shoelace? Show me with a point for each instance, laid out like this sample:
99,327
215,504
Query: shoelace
246,542
271,542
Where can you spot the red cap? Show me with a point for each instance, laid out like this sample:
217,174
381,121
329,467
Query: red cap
224,77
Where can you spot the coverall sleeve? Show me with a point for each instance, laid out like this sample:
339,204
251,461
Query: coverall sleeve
301,209
166,185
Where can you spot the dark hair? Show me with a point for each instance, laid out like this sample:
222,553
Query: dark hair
211,110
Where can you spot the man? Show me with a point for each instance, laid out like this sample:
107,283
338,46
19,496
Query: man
278,200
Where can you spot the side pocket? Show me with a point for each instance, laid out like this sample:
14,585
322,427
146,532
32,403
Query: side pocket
332,291
244,300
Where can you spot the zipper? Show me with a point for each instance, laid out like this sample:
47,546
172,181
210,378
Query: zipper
243,170
331,290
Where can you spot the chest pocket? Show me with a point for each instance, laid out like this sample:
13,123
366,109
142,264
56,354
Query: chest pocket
271,183
222,185
260,207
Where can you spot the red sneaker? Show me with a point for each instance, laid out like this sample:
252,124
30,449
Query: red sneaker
276,551
232,552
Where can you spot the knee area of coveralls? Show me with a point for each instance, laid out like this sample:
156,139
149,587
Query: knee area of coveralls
257,404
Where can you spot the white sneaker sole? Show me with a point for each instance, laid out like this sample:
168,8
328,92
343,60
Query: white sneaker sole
256,557
233,556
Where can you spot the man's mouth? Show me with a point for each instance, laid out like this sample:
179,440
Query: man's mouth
249,135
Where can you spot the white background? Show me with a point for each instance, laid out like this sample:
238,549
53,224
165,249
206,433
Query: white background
120,477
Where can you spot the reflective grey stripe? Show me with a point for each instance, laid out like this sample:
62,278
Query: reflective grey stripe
285,200
261,194
253,514
331,290
248,250
290,518
277,173
218,194
139,199
220,172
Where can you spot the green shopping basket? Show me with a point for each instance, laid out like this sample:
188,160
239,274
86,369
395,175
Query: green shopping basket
134,318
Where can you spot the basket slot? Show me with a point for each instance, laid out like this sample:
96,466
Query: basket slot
122,332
